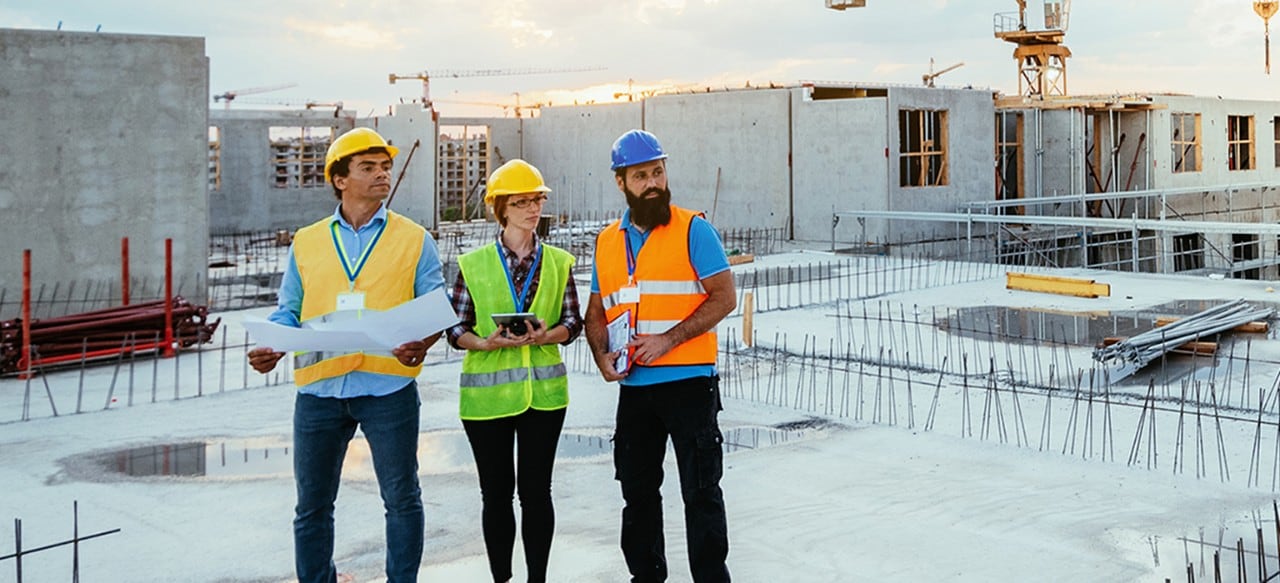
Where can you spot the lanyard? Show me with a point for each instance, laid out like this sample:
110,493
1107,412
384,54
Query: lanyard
353,269
631,257
528,279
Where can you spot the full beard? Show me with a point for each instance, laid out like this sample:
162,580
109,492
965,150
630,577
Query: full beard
648,213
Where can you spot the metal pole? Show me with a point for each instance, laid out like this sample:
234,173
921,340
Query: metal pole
24,361
168,298
124,271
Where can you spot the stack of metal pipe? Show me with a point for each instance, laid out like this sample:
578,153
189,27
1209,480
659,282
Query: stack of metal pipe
104,333
1143,348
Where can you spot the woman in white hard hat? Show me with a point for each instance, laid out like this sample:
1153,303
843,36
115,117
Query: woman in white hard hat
516,301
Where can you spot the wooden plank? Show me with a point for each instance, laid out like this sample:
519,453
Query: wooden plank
1067,286
1197,348
740,259
1194,347
1253,327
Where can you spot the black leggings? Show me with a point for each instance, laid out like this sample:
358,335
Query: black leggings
536,433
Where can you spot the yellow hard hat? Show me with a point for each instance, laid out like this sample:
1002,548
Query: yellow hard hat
514,177
354,142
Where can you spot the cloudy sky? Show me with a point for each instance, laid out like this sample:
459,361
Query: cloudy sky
336,50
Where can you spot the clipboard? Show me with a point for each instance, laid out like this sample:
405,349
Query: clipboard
619,330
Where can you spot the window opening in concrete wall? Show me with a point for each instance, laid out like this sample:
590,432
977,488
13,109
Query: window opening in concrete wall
1245,248
1093,153
821,93
1188,252
1185,142
1009,165
462,167
1240,152
922,147
1275,127
297,155
215,158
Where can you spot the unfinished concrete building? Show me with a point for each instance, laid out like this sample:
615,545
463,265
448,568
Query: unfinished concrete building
119,150
1194,177
266,168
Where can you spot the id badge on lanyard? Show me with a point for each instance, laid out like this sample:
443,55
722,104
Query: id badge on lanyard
351,301
629,294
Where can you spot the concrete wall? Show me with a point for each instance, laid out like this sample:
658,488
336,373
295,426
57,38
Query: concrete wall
506,140
571,145
246,200
105,136
1055,152
729,154
840,165
766,158
1213,138
970,153
415,167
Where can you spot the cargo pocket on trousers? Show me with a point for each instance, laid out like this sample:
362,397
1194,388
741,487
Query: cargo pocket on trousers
622,466
710,456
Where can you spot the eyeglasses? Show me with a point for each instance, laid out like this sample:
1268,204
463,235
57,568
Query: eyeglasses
525,202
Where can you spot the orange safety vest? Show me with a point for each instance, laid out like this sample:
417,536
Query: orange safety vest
386,281
669,287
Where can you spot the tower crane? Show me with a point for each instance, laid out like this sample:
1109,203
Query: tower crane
1266,9
229,96
1040,54
426,76
931,75
506,107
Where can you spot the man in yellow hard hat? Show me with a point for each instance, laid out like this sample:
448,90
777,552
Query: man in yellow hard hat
361,257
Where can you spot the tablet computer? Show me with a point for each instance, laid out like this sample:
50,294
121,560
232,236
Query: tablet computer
516,322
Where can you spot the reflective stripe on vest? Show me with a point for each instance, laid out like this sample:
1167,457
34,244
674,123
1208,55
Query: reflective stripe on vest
509,381
511,375
385,281
660,288
668,285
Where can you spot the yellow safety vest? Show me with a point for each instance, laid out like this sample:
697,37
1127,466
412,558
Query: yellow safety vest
509,381
386,281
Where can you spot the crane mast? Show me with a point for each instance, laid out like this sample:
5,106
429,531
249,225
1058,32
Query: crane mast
1040,53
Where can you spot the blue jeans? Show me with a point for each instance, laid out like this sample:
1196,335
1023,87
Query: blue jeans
322,428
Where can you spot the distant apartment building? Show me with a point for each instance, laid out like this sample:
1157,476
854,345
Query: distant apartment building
462,167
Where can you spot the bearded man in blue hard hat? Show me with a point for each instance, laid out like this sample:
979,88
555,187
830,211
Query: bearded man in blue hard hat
363,256
662,278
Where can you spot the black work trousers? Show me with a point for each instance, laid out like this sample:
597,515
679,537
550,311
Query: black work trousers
492,443
685,411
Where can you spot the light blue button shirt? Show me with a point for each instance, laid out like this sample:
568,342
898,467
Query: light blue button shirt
706,253
428,277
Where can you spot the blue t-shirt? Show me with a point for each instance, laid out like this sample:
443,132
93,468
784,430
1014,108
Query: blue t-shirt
427,278
706,253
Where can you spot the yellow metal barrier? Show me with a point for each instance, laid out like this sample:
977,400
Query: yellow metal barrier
1067,286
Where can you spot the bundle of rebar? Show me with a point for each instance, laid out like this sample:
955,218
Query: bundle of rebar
101,333
1142,349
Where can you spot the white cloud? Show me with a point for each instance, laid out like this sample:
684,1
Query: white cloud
356,34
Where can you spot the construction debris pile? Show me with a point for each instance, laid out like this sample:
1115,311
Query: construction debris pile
104,333
1136,352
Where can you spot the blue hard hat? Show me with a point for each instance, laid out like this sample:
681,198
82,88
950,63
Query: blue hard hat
636,147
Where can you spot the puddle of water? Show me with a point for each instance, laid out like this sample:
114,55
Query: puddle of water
439,452
1030,325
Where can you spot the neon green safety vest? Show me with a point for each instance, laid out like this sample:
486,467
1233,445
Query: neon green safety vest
509,381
